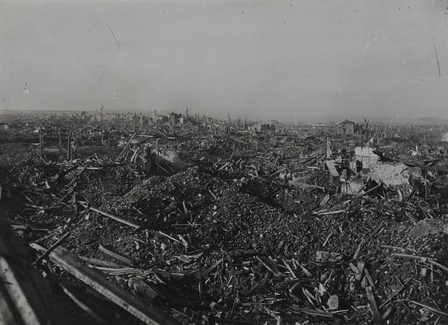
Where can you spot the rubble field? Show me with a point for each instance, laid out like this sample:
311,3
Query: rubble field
208,224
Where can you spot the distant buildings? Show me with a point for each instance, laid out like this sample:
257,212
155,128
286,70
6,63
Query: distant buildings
348,127
264,127
174,118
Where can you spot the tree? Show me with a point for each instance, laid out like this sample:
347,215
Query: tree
366,122
228,124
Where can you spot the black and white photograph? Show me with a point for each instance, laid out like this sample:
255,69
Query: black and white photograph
223,162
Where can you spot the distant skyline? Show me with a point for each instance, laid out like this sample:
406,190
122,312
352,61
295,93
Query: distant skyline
284,60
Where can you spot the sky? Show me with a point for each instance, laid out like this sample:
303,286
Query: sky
256,58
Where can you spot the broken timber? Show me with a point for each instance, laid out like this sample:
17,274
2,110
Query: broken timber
331,168
422,259
23,291
115,217
373,306
95,279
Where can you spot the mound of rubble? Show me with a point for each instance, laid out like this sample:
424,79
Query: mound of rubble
246,239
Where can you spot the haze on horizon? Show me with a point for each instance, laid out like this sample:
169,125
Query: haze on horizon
264,58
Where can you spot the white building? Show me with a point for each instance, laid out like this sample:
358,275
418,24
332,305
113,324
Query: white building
366,156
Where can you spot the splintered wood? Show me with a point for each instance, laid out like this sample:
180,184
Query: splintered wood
373,306
223,224
24,295
149,315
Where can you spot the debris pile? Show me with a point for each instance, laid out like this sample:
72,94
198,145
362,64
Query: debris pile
250,229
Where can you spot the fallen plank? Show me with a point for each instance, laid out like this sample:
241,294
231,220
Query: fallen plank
330,212
269,264
48,251
387,313
325,200
125,147
327,239
85,306
289,269
358,249
278,172
307,273
117,256
372,190
23,297
122,270
168,236
432,309
95,261
422,259
8,315
313,312
24,294
331,168
70,263
115,217
208,270
373,306
369,278
26,187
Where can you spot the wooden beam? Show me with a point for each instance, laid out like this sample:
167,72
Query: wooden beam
97,280
106,214
24,294
373,306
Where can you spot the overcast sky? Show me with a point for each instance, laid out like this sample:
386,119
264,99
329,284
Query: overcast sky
273,58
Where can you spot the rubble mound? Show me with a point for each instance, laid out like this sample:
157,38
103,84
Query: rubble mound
228,241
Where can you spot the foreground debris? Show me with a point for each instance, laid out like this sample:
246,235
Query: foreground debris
24,295
239,229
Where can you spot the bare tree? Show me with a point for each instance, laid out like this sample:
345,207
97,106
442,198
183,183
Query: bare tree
228,123
366,122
